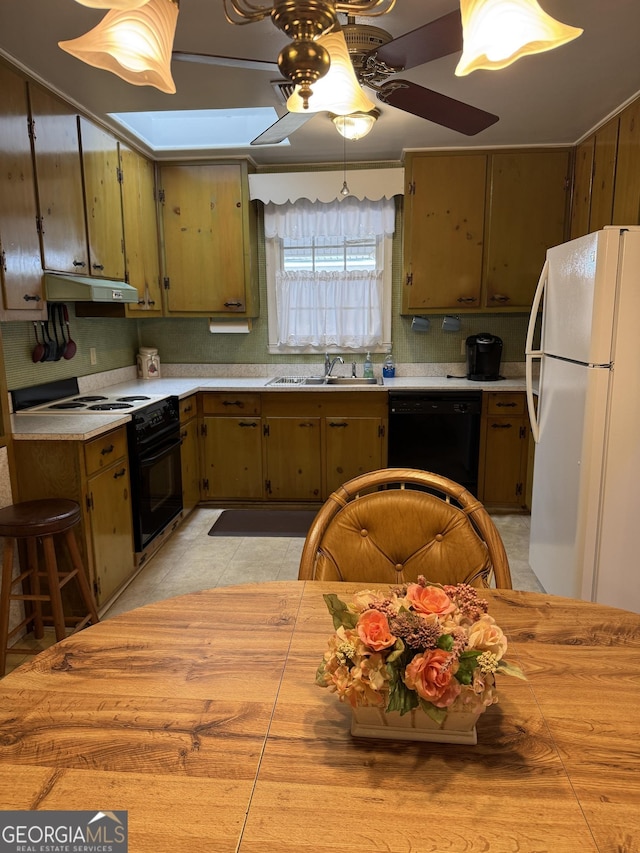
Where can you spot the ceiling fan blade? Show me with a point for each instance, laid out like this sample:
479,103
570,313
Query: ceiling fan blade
431,41
281,129
229,61
435,107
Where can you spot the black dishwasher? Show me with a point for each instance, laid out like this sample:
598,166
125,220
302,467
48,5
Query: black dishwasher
437,431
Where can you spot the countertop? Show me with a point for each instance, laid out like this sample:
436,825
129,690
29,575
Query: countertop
78,427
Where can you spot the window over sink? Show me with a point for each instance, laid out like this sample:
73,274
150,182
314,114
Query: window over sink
329,275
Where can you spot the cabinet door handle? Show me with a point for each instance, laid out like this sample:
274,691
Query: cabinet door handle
108,449
79,263
245,424
97,266
187,409
505,405
305,424
235,304
28,298
467,299
232,403
499,297
501,426
120,473
342,424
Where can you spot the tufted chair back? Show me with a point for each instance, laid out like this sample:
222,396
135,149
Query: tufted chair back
375,529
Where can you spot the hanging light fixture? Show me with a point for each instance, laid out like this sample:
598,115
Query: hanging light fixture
339,91
355,125
306,59
496,33
135,44
122,5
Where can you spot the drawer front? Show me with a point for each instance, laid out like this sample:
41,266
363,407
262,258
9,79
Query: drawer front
105,450
506,403
231,404
188,408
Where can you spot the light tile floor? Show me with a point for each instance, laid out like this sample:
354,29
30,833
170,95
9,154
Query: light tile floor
192,560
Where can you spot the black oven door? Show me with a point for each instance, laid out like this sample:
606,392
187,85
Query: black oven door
157,488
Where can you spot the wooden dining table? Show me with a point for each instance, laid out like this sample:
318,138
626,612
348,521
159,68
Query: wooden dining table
200,716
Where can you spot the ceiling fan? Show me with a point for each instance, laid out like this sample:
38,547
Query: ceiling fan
377,58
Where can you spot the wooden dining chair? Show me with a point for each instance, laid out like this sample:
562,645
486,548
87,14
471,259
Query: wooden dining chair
392,525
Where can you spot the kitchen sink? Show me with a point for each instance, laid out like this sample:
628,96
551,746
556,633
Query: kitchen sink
352,380
297,381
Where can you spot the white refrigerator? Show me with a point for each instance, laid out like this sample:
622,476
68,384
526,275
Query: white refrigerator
585,419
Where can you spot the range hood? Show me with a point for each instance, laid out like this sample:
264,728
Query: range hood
77,288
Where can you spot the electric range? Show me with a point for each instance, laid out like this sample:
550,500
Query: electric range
63,397
153,440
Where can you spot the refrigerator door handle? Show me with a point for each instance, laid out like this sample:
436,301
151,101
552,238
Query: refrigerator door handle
531,355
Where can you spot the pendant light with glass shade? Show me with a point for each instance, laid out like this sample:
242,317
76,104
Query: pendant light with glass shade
355,125
338,91
134,43
122,5
496,33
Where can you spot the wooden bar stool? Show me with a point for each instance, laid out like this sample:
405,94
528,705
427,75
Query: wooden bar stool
32,521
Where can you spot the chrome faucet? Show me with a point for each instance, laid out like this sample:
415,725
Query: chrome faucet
330,364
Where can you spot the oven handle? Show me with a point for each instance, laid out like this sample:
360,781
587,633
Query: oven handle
149,460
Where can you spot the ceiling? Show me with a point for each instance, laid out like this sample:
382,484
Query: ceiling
551,98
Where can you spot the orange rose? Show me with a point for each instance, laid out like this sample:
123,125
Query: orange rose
429,599
428,676
373,630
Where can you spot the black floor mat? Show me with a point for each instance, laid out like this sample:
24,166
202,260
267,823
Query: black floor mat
263,522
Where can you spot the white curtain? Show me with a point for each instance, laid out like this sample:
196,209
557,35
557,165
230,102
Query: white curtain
352,216
330,309
339,309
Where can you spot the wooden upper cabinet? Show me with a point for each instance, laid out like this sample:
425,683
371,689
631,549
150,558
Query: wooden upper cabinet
56,150
206,222
527,201
444,227
626,199
142,260
103,204
582,177
604,173
20,264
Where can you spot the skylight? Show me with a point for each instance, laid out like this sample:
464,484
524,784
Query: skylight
194,129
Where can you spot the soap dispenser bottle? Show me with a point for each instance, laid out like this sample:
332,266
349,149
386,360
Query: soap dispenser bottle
389,368
368,367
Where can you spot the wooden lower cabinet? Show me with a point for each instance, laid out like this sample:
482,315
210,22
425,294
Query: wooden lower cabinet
353,446
96,475
293,458
504,445
315,442
232,453
231,447
289,447
189,453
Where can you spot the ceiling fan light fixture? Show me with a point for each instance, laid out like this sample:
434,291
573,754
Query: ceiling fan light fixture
122,5
135,44
338,91
355,125
496,33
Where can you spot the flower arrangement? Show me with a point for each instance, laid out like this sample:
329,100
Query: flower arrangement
420,645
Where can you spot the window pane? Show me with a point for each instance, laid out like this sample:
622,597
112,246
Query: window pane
329,253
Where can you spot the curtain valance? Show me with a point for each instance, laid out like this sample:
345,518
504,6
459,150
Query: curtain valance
349,216
281,187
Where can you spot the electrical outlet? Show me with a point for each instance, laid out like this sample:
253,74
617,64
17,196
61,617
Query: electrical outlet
92,355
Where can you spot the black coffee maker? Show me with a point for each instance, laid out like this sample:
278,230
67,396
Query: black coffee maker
483,357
